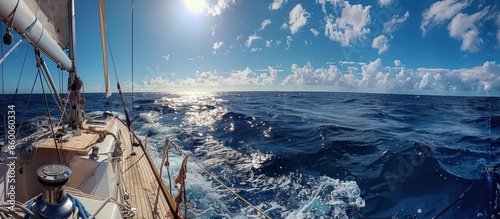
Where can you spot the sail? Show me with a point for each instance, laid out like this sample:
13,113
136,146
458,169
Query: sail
102,16
51,17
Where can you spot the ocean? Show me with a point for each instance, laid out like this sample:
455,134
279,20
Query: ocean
319,155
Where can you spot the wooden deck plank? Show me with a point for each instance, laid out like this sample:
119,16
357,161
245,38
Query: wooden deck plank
77,144
141,183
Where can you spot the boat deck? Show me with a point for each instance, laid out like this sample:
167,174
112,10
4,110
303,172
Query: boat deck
140,179
139,173
77,144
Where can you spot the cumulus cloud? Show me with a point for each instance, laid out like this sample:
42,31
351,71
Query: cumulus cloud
252,38
384,2
398,63
213,78
374,75
166,57
381,43
308,75
440,12
464,27
314,31
277,4
350,26
333,2
217,45
392,25
298,18
264,24
221,6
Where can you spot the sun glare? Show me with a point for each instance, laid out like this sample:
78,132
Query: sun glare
195,6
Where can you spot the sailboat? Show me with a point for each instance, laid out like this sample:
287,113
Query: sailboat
84,167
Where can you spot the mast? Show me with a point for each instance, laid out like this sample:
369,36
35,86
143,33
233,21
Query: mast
74,82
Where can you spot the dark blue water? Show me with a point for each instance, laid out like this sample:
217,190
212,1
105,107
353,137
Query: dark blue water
323,155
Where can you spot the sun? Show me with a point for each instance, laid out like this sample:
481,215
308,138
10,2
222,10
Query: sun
195,6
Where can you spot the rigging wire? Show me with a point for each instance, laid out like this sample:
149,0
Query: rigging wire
118,83
1,50
485,172
230,190
50,118
132,62
27,105
20,74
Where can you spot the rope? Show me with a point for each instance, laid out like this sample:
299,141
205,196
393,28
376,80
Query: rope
13,13
29,206
78,206
7,210
232,191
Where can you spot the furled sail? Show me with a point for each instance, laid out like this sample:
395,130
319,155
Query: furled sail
102,16
53,15
33,19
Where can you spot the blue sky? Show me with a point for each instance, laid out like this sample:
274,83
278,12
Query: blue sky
449,47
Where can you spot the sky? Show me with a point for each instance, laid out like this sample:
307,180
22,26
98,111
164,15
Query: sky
449,47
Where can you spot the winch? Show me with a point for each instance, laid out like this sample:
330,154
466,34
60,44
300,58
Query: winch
54,203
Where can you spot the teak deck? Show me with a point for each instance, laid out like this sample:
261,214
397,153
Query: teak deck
141,182
139,175
77,144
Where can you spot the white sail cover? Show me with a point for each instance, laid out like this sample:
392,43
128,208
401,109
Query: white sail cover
104,36
53,15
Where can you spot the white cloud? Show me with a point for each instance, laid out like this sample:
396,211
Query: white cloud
220,6
350,26
269,79
284,26
398,63
372,73
166,57
217,45
212,29
464,27
440,12
482,80
264,24
289,40
333,2
298,18
391,26
307,75
255,49
314,31
277,4
252,38
269,43
477,80
381,43
384,2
